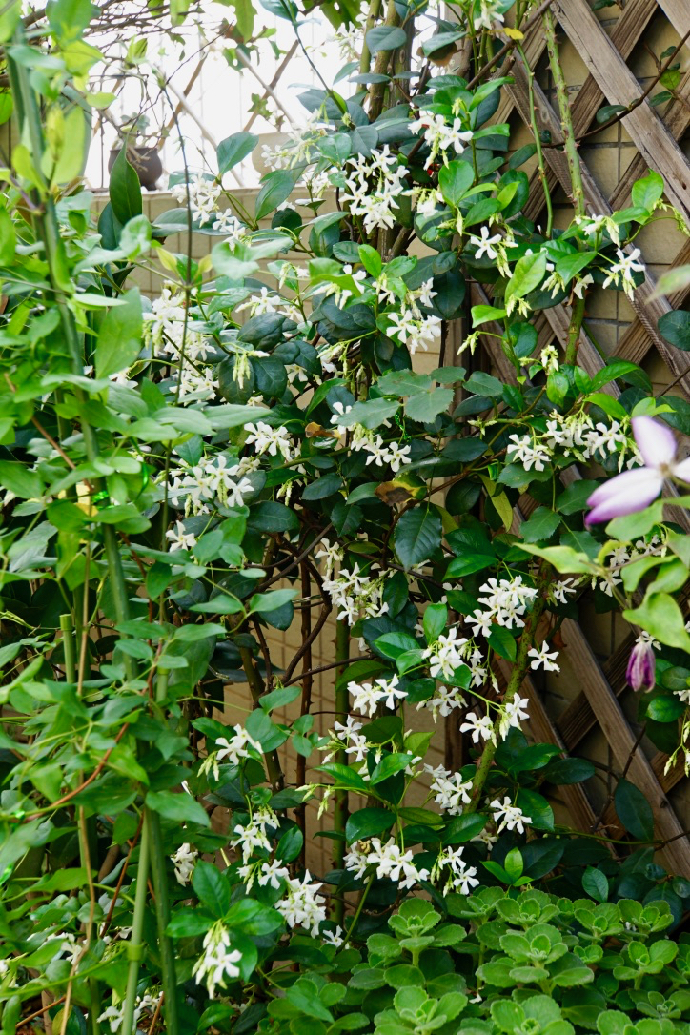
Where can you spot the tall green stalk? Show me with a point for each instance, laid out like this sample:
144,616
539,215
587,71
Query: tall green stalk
162,901
342,705
28,118
573,160
136,943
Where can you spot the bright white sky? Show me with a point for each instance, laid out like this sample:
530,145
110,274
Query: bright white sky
221,98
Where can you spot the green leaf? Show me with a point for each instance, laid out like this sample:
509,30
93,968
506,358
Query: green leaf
503,643
370,258
69,18
660,615
542,525
665,709
125,190
120,336
343,776
484,385
389,766
634,811
648,191
596,885
528,275
675,328
211,887
574,499
290,845
264,603
417,535
7,238
617,368
483,313
20,480
425,408
234,149
434,621
323,487
181,808
537,807
367,823
463,828
276,187
385,37
369,414
454,180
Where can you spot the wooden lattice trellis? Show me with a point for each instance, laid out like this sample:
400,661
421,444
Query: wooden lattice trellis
610,81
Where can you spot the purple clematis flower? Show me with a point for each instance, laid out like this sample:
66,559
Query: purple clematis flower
635,490
641,671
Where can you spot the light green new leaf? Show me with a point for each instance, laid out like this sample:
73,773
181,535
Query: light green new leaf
120,335
660,615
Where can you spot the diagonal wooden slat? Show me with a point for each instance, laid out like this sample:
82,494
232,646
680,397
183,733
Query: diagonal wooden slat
676,120
635,343
613,723
678,13
624,36
647,307
579,807
619,85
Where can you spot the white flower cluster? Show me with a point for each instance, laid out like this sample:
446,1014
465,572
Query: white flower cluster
389,861
374,184
461,877
542,659
303,906
505,603
621,273
352,593
414,329
380,452
252,836
368,696
299,147
576,436
508,816
621,555
440,136
114,1014
263,873
273,441
201,193
444,701
183,861
173,339
446,654
450,790
212,480
219,962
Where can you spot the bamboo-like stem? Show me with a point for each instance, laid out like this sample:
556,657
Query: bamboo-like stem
161,898
381,63
518,674
537,140
341,802
572,157
372,15
136,944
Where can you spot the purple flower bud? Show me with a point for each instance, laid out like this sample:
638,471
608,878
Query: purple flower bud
641,671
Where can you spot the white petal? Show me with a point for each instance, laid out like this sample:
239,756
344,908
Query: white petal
625,494
656,441
682,470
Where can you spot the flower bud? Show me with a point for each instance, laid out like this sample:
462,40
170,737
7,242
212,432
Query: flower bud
641,671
